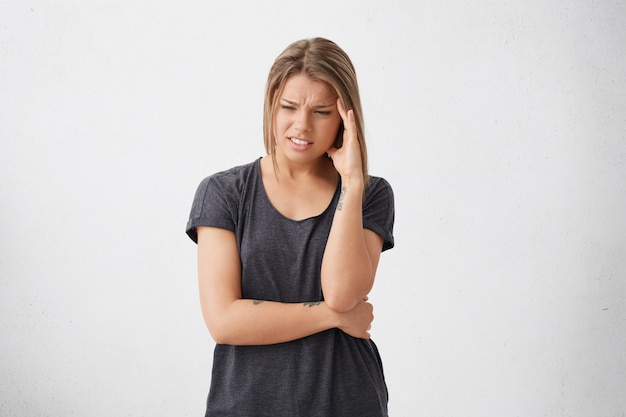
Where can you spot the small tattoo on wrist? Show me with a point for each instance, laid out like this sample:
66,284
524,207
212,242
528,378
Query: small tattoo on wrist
257,302
341,196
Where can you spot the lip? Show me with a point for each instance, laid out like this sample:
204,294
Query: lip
308,142
298,146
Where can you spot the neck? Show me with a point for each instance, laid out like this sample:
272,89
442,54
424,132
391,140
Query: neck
289,170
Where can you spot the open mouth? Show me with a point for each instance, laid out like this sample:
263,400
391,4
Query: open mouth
299,141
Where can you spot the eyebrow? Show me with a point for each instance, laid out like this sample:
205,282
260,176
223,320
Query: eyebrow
319,106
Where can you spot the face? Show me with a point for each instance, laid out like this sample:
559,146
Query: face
306,119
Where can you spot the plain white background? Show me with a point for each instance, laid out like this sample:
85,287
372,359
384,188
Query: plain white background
500,125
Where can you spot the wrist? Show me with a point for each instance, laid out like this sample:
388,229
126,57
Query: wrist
334,318
353,181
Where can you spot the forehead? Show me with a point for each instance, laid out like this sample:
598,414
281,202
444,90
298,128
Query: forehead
303,88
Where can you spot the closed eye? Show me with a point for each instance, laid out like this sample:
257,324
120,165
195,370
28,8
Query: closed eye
323,112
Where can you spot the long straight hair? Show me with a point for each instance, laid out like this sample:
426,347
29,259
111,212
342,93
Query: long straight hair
321,60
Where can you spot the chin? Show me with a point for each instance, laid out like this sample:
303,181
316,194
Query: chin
302,157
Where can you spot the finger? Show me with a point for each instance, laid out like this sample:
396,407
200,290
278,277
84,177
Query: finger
342,111
349,123
346,115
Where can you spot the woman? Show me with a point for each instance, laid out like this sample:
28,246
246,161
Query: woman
288,247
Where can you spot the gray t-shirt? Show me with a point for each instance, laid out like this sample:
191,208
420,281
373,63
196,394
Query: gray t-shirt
327,374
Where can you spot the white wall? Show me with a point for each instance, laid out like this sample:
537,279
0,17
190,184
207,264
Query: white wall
501,126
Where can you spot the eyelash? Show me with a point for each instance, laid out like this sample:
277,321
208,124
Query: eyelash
320,112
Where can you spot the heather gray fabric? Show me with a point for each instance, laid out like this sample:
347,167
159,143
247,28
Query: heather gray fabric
327,374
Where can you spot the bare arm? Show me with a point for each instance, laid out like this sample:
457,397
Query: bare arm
352,253
233,320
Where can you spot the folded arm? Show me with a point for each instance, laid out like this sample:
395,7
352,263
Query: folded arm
236,321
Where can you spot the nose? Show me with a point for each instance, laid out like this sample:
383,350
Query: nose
303,120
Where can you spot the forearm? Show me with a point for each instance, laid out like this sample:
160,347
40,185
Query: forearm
347,272
255,322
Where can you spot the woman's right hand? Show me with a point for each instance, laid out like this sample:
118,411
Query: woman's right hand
358,321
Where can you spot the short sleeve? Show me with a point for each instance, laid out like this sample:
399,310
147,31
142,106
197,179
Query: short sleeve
379,210
213,205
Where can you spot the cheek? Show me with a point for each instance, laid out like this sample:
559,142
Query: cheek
277,125
333,127
280,122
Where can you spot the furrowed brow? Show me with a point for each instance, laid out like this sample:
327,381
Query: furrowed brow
316,106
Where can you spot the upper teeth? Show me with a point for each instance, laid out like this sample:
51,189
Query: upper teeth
298,141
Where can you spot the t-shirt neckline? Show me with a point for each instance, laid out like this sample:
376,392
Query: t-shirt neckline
266,198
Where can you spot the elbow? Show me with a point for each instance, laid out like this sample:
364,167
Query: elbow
219,333
342,298
340,304
218,337
221,341
221,337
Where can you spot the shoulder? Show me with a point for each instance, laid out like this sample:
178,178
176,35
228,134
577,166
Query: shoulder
379,182
379,210
231,179
218,197
378,188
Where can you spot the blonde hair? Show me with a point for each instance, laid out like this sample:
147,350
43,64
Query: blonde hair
321,60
